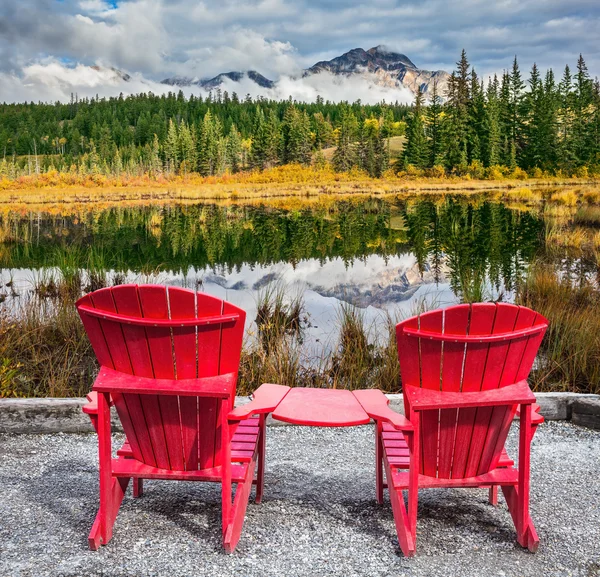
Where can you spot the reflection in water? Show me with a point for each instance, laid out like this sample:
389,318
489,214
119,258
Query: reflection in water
375,253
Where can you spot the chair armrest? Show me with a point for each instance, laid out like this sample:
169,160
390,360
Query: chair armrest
427,399
375,404
110,381
264,400
91,407
536,418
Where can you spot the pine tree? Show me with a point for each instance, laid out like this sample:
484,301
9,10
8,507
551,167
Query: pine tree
433,117
491,125
583,97
516,113
565,119
344,157
117,164
171,147
504,118
234,149
296,136
476,120
455,127
208,143
187,148
260,141
155,163
415,152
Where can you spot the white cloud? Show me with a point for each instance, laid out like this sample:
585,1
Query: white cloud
160,38
53,81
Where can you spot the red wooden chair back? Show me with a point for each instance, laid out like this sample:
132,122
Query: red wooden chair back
191,335
467,348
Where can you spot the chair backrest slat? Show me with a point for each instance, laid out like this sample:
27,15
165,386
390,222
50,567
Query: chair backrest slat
127,302
166,431
112,331
456,321
467,442
431,357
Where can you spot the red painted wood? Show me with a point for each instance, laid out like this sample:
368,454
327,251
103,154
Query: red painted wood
321,408
112,331
158,322
457,337
500,476
217,386
427,400
505,320
484,354
408,354
95,334
525,319
264,400
481,322
182,304
169,361
431,365
375,404
531,349
134,468
209,354
456,321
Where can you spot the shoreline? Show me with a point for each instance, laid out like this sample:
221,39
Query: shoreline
250,192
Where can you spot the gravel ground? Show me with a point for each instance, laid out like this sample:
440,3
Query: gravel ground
318,517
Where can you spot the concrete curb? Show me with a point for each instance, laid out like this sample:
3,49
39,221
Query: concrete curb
50,415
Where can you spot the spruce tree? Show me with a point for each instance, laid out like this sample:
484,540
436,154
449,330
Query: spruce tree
565,119
234,149
171,148
516,113
187,148
415,152
344,157
583,98
491,125
433,130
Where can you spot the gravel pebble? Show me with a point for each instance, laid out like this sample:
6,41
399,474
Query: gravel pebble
318,516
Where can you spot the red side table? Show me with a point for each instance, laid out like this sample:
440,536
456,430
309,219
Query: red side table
320,407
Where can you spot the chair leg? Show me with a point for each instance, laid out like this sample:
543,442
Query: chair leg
517,498
260,473
110,503
528,537
493,497
406,537
138,488
237,513
378,464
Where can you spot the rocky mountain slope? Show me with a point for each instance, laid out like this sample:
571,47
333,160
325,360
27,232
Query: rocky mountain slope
377,66
383,67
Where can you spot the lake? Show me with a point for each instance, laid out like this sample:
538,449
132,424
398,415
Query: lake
388,255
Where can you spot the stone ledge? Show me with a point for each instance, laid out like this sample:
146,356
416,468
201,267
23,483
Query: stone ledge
49,415
586,412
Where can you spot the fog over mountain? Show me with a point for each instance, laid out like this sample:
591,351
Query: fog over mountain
386,73
370,75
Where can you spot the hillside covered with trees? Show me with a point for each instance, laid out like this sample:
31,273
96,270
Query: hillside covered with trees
507,127
539,125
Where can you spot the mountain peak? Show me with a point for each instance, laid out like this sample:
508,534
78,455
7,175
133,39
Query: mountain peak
379,65
385,53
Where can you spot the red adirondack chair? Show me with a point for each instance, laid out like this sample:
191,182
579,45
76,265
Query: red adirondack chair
169,364
464,372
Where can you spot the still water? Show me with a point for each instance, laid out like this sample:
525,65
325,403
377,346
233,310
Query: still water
382,255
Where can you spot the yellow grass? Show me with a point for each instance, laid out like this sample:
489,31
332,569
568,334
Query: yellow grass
281,182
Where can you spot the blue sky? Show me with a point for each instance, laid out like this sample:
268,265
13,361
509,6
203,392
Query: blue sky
160,38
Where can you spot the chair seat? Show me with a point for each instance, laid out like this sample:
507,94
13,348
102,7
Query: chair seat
243,444
395,449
